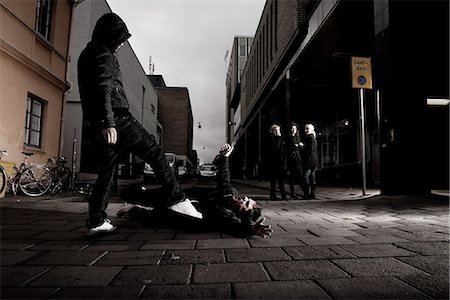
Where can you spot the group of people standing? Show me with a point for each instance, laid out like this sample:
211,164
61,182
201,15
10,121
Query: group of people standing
290,155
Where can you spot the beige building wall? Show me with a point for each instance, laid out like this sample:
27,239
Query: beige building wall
32,64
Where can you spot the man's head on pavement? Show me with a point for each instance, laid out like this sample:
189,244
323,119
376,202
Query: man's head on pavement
244,207
110,31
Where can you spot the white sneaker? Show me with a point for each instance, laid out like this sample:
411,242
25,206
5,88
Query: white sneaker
105,228
185,207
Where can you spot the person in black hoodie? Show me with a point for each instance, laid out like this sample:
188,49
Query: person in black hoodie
106,113
223,207
310,161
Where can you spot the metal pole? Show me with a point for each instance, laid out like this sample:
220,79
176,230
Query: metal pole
363,140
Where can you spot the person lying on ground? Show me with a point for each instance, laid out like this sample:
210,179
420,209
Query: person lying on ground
223,207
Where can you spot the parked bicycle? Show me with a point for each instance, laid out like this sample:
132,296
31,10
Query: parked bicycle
31,179
3,174
59,173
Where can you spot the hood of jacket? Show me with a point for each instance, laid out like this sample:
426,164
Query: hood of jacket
110,31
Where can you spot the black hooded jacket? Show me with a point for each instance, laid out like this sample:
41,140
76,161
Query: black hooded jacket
99,77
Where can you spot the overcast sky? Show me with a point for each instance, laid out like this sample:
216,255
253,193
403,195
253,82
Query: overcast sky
187,40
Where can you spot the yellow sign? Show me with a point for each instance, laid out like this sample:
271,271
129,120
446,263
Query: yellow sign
361,72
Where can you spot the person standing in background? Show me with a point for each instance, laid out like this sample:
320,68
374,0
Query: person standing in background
294,159
277,162
310,162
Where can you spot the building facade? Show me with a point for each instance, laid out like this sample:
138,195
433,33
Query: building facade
239,52
141,94
175,116
34,47
299,69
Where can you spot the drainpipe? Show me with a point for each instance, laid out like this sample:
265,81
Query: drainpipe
70,88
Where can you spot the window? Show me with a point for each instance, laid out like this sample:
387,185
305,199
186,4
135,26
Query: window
33,121
43,17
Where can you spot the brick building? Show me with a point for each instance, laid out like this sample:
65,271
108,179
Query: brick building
175,116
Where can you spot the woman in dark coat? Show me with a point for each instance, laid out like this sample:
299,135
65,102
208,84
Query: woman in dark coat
310,162
294,159
277,162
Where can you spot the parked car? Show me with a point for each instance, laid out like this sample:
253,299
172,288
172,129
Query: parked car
171,159
208,170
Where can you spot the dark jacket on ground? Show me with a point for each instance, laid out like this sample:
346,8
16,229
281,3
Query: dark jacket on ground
212,202
310,158
99,77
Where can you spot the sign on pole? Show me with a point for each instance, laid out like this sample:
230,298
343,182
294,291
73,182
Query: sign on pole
362,79
361,72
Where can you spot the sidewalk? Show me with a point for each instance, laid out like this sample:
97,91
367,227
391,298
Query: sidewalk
375,247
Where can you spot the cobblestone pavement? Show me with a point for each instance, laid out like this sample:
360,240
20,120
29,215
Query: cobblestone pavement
340,246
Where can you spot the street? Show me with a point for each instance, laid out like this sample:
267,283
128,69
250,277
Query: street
341,246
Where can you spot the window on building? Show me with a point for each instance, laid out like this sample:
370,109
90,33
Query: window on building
33,121
43,17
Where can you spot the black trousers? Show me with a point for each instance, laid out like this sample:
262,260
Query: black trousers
132,137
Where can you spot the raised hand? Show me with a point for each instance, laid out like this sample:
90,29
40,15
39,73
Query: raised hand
226,150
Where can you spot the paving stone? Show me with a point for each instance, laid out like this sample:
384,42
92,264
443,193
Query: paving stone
62,236
11,257
370,288
66,258
255,254
427,248
274,242
129,258
61,245
333,240
14,276
151,236
115,245
197,235
222,244
279,290
66,276
20,234
333,232
424,236
305,269
183,257
379,231
377,250
436,286
189,291
97,293
27,293
292,228
230,272
168,244
437,265
17,244
367,267
376,239
153,275
317,252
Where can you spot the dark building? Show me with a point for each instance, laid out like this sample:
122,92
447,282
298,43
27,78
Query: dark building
175,117
299,69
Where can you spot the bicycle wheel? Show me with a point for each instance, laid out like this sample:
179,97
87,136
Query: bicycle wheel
35,181
2,179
